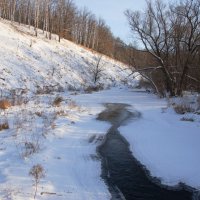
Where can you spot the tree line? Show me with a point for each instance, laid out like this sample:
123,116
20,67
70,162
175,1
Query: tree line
63,18
170,34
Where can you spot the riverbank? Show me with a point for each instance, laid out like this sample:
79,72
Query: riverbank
69,134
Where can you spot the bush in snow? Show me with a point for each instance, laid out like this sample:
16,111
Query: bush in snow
95,88
4,126
57,101
188,119
183,108
37,172
4,104
31,148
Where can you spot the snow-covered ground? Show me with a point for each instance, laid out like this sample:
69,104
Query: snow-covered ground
63,138
57,138
69,134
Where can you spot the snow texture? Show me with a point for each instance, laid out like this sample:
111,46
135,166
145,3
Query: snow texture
63,138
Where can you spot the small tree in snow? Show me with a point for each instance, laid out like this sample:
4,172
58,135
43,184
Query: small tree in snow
37,172
97,69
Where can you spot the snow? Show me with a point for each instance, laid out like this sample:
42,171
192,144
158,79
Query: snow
65,137
168,147
30,62
165,145
70,161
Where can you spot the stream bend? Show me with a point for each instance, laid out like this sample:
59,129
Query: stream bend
125,176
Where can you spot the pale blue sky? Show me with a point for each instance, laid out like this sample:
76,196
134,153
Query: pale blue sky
113,13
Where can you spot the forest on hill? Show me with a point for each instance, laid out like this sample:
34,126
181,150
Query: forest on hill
169,35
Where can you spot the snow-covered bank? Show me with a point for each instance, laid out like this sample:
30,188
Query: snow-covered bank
167,146
160,140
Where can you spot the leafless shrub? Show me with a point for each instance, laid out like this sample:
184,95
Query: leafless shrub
57,101
31,148
37,172
53,126
19,100
189,119
18,123
29,145
4,126
48,122
44,90
39,114
18,97
183,108
71,88
74,93
61,113
97,69
48,89
96,88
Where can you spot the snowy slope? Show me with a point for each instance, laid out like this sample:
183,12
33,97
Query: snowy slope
28,62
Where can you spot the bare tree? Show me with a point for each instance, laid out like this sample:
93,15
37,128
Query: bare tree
97,69
63,18
171,35
36,21
37,172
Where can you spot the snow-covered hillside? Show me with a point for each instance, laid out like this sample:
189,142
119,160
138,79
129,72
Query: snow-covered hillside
30,62
38,132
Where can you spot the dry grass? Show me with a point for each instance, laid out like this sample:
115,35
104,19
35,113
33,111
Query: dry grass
57,101
62,113
37,172
188,119
49,89
5,104
31,148
91,89
4,126
183,108
39,114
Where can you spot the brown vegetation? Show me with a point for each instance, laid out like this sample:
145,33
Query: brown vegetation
57,101
4,126
4,104
62,18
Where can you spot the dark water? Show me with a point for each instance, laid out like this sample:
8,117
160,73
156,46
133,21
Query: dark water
126,178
